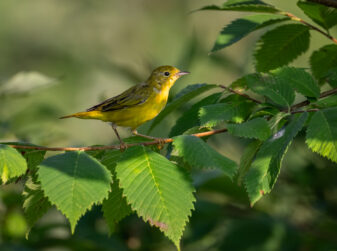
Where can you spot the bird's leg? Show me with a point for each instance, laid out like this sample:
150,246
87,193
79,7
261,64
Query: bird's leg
122,144
161,141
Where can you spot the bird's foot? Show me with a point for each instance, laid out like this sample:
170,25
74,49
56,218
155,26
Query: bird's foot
134,132
161,141
123,146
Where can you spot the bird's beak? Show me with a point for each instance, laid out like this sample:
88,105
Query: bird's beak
181,73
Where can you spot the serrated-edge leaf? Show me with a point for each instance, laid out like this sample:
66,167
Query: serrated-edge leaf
211,115
247,5
320,14
185,95
280,46
199,154
247,159
33,157
323,60
190,118
279,92
299,79
12,164
74,182
35,204
322,133
265,168
239,28
159,191
257,128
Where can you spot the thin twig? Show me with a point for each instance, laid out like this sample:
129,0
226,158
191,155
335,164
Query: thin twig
241,94
94,148
295,18
307,102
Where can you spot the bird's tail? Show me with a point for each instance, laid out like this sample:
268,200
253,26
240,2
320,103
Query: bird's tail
76,115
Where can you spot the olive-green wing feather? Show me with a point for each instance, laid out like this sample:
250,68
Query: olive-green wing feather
136,95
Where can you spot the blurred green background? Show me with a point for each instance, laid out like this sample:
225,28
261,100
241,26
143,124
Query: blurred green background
91,50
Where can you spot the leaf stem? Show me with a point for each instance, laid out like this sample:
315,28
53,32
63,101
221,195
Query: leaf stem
239,93
295,18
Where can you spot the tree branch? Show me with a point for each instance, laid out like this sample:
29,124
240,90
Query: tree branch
307,102
169,140
295,18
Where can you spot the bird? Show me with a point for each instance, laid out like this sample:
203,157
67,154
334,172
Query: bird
136,105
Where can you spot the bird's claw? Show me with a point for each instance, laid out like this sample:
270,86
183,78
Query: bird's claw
123,147
161,142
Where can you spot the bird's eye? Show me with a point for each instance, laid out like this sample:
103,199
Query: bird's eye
166,73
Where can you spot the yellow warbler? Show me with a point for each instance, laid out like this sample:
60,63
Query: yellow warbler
136,105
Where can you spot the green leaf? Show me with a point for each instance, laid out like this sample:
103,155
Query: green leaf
12,164
278,91
241,27
24,82
115,208
157,190
322,133
256,128
32,156
281,45
199,154
264,170
247,159
331,77
320,14
243,5
74,181
181,98
35,204
323,60
237,112
299,79
190,118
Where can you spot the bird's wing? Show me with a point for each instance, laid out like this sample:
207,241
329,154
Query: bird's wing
134,96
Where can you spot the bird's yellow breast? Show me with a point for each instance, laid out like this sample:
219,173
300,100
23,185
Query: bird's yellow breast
139,114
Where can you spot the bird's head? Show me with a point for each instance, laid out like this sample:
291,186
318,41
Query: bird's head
165,76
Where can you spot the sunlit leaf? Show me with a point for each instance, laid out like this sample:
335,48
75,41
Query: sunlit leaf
157,190
73,182
322,133
12,164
